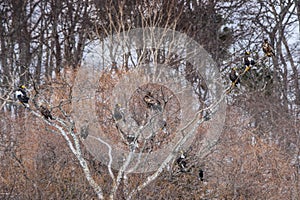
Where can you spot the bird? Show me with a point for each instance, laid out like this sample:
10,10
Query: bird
207,115
162,124
22,96
234,77
117,114
46,112
267,48
84,131
181,162
201,174
152,102
248,61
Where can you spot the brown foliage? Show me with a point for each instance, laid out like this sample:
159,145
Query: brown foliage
241,166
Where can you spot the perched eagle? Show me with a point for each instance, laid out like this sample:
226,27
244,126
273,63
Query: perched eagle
22,96
84,131
234,77
268,50
46,112
248,60
152,102
118,115
181,162
201,174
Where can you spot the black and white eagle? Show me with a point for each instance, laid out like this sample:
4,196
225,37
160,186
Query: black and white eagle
22,96
248,60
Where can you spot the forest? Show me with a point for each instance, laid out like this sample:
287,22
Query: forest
150,99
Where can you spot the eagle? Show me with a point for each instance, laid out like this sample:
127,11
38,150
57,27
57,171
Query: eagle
234,77
152,102
118,114
267,48
181,162
84,131
46,112
22,96
201,174
248,60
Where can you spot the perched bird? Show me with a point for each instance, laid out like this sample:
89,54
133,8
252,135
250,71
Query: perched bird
117,114
131,141
162,124
131,138
248,61
201,174
46,112
234,77
181,162
84,131
152,102
267,48
22,96
207,115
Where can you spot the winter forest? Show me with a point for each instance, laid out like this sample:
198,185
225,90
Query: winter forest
150,99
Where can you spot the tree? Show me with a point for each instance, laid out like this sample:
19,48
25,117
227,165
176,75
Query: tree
43,45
